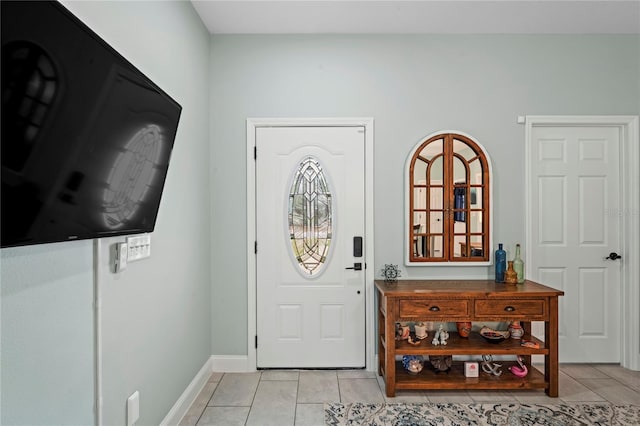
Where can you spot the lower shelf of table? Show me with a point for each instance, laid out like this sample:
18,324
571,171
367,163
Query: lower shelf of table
455,379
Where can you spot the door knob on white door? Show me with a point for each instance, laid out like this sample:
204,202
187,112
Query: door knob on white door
613,256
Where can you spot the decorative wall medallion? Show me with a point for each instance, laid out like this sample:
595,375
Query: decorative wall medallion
390,273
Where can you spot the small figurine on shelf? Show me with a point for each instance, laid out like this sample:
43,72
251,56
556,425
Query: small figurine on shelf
510,275
444,335
440,337
515,330
519,370
421,330
413,340
402,331
436,338
490,367
464,328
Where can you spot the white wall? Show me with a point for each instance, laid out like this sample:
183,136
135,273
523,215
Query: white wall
412,86
157,314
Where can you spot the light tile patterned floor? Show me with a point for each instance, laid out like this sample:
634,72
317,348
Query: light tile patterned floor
285,397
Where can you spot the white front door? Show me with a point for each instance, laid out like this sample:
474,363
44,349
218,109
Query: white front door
310,220
575,183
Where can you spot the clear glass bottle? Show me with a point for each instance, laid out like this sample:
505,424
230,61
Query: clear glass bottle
500,263
518,265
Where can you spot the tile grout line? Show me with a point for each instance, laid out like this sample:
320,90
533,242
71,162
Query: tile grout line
208,400
253,399
617,382
295,409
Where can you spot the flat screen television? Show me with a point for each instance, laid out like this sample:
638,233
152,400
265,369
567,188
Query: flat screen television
86,136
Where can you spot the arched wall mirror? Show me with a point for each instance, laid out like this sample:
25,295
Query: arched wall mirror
448,209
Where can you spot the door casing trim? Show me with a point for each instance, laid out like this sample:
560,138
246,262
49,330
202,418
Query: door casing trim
252,125
630,176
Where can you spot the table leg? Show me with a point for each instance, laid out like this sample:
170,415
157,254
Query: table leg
390,358
551,365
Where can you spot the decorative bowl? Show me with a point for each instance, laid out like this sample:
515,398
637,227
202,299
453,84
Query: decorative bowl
413,363
493,336
441,363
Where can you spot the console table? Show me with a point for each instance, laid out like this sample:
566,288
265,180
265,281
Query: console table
478,301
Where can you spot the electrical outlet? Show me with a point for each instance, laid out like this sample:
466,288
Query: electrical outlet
133,408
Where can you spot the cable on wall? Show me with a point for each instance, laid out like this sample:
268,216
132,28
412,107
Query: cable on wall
97,322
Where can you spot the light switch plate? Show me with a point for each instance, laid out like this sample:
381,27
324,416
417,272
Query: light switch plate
139,247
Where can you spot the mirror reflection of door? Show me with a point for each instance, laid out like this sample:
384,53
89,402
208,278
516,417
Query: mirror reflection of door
448,201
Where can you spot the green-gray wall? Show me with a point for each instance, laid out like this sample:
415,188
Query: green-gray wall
157,313
412,85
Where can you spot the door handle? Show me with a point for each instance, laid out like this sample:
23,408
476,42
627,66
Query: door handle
356,266
613,256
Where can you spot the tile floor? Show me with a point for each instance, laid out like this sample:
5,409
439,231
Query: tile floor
292,397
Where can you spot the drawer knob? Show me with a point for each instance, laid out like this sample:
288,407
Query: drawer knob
509,308
434,309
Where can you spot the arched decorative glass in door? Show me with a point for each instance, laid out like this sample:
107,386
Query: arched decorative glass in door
310,217
448,217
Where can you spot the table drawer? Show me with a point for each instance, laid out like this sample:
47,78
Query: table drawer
510,308
425,309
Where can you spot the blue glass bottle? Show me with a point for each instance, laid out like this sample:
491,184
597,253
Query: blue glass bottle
501,263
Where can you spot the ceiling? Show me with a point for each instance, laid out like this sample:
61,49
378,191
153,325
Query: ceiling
420,16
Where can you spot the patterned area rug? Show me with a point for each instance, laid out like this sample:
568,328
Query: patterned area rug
403,414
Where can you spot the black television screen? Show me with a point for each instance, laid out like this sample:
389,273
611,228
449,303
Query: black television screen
86,137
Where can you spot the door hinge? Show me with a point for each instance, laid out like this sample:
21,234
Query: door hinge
256,341
255,152
255,247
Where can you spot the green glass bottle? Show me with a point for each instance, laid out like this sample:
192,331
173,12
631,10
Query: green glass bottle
518,265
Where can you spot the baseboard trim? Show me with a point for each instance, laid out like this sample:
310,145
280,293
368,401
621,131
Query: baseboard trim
189,395
232,364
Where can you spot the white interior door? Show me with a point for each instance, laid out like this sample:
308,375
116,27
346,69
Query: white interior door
310,308
575,224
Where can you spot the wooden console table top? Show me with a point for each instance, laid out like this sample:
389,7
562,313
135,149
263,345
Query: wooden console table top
410,288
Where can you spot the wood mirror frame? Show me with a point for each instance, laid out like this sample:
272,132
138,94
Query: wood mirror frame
448,179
